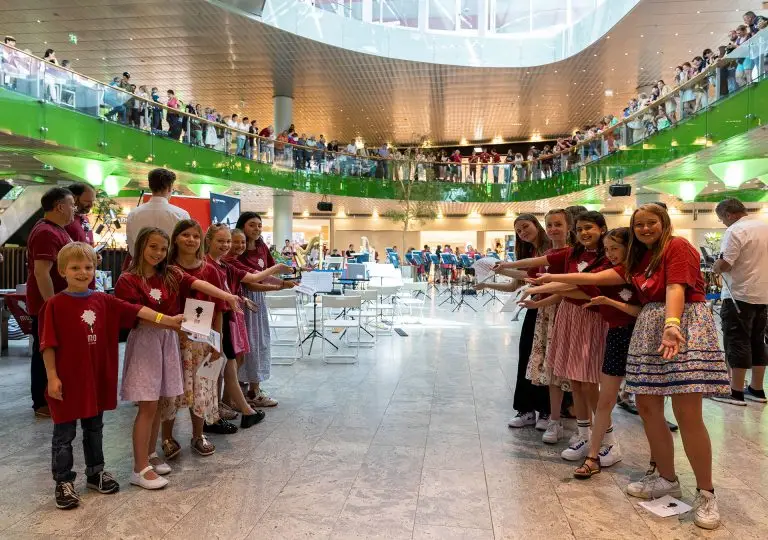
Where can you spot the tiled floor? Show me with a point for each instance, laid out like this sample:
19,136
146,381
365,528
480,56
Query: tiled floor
410,443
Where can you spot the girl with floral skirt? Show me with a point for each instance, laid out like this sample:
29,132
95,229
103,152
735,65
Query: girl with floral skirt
152,365
218,243
674,351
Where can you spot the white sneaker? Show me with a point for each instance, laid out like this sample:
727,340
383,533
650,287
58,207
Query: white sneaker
522,420
138,479
553,433
160,466
705,512
576,451
730,399
609,455
653,487
542,422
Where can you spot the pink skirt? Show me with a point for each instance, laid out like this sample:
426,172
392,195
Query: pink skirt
578,343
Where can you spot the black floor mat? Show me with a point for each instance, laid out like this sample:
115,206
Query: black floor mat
401,332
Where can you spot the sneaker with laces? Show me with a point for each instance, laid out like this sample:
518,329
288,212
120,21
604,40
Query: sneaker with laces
609,454
542,422
523,419
262,400
102,482
576,451
66,496
653,487
755,395
553,433
705,512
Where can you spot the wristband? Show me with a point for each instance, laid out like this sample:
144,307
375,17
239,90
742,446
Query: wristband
671,320
158,318
671,325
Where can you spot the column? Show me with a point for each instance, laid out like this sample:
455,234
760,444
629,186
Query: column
282,220
283,114
367,11
423,16
482,18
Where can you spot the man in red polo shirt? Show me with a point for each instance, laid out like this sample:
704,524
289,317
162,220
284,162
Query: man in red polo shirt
80,228
45,240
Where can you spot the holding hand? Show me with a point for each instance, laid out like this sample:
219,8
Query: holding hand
172,322
234,302
597,301
529,303
671,340
283,269
54,388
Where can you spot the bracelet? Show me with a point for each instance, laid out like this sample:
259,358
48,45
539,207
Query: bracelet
671,325
158,317
671,319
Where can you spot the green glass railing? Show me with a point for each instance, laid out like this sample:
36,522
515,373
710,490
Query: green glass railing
45,102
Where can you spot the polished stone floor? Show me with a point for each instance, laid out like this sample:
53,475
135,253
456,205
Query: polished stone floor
412,442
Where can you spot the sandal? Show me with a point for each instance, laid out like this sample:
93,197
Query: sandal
202,446
589,468
171,448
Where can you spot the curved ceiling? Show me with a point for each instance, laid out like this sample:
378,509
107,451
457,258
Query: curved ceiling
211,56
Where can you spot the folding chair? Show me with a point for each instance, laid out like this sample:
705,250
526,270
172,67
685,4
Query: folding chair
329,303
284,315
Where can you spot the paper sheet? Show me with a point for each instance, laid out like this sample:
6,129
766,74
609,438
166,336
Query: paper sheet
198,317
484,268
213,339
210,369
319,281
666,506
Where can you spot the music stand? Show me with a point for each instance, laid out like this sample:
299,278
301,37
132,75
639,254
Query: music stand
464,285
493,295
436,265
320,284
449,259
394,259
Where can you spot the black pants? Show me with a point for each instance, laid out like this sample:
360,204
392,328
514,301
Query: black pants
744,334
38,375
528,396
61,448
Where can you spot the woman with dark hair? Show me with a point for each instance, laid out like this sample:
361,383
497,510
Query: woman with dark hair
257,362
529,399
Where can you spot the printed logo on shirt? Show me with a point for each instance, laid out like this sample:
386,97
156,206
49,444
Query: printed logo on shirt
261,263
582,265
625,294
89,317
156,295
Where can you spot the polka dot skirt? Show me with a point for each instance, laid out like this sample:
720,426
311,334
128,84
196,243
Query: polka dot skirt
616,349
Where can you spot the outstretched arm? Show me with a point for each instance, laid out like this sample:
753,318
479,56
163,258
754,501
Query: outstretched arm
630,309
151,315
213,291
523,263
606,277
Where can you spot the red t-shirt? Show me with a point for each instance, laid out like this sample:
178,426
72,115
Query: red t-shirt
229,274
205,272
80,229
454,158
496,158
680,263
621,293
259,258
84,331
473,158
485,157
152,292
44,242
563,262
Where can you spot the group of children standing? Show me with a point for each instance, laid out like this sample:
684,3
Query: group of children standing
79,342
608,306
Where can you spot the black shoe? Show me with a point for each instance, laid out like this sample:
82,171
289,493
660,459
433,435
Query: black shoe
755,395
672,427
248,420
103,482
222,427
66,496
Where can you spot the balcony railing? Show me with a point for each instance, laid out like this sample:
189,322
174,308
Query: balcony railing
734,72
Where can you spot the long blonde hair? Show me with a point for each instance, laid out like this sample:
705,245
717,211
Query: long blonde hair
636,250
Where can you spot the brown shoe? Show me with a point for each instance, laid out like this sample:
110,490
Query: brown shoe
171,448
203,446
43,412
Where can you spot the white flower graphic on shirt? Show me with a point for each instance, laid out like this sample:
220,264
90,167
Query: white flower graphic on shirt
582,265
156,295
89,318
625,294
261,263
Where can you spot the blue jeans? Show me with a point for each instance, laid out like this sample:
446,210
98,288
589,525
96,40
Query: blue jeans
240,144
61,448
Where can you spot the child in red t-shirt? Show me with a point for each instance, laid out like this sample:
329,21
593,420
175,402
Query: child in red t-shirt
152,366
79,345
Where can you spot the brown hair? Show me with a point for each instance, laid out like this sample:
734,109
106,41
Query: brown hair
525,250
636,249
211,232
136,266
181,226
74,250
570,237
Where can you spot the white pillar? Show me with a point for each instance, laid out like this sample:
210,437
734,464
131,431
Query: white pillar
367,11
283,114
282,218
423,16
482,18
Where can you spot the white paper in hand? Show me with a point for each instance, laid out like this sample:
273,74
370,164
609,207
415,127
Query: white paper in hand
210,369
213,339
484,268
666,506
198,317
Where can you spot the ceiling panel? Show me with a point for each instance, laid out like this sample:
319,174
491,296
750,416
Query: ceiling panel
211,56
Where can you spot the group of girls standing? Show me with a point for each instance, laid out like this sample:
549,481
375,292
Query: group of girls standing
608,306
161,365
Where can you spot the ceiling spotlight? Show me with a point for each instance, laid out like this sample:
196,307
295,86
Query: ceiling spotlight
608,92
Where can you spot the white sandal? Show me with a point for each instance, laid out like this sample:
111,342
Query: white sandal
138,479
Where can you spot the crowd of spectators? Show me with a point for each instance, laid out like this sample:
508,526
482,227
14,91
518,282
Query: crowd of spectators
658,108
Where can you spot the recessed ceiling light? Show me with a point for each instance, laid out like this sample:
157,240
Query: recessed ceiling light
45,43
555,71
607,37
594,55
642,35
38,20
677,34
626,54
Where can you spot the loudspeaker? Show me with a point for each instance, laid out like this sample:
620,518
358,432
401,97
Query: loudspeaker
620,190
325,206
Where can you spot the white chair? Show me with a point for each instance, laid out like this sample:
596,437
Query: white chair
408,296
329,303
386,306
368,315
284,315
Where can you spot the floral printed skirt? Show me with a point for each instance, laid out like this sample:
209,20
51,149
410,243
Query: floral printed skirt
200,394
539,372
699,366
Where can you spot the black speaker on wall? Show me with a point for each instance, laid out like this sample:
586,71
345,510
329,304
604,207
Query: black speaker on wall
620,190
323,206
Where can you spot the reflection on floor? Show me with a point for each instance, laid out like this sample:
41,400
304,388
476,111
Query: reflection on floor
410,443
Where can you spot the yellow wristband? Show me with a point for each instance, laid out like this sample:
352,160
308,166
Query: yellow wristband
672,319
159,317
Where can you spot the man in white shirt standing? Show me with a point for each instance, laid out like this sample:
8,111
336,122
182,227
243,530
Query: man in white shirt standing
744,314
157,212
232,123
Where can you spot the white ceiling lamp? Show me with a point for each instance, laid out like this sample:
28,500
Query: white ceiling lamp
608,92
